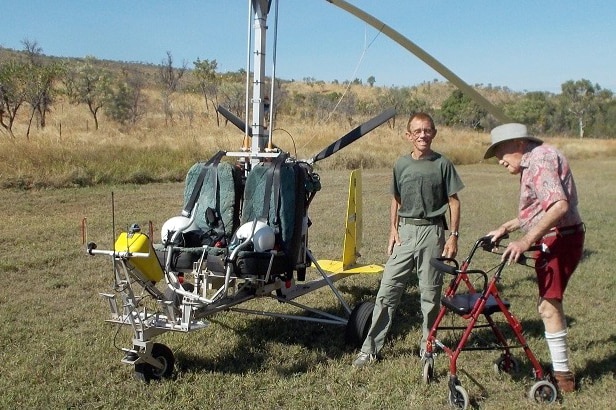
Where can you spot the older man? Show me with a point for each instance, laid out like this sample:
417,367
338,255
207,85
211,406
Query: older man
547,214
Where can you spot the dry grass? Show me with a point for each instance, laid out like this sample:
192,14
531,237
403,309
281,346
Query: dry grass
68,152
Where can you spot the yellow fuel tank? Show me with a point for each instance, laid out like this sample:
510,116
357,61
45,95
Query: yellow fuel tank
139,242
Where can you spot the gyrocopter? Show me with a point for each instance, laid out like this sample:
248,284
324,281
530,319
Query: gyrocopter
242,234
247,210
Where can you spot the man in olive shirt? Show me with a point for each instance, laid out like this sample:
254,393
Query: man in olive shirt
425,184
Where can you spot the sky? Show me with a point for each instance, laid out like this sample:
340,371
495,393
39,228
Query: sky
524,45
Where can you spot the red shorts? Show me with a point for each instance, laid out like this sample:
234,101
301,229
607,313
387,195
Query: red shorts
556,267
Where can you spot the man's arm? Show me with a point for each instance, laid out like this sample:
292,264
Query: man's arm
549,221
451,245
394,239
504,229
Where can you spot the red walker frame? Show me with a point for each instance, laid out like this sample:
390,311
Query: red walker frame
471,305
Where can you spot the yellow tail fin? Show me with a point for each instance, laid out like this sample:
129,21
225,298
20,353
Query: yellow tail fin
353,234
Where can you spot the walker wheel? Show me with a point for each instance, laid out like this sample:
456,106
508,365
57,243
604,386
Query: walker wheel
459,399
428,370
543,392
501,365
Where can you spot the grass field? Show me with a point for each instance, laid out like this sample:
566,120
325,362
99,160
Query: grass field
57,351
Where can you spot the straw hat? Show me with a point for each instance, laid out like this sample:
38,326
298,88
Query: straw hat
507,132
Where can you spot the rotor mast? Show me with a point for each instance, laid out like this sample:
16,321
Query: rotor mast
259,137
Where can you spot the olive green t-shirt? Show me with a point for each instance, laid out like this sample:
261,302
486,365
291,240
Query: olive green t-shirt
424,185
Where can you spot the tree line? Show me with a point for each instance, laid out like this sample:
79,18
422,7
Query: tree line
582,109
34,83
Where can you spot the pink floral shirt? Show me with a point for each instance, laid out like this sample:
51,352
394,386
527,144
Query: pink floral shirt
546,178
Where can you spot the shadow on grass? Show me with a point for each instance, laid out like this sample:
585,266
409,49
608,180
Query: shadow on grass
408,315
254,347
596,369
257,346
253,351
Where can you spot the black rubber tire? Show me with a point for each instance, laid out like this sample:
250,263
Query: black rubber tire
145,372
359,324
500,366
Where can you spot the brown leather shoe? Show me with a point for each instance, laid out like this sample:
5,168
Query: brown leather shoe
565,381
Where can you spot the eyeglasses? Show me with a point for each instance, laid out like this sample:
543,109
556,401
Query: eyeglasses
427,131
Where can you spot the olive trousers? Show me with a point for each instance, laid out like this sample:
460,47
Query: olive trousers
418,245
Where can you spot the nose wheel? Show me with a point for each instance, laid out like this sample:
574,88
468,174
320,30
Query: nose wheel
163,356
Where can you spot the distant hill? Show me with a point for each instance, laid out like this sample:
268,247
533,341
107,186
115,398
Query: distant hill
434,92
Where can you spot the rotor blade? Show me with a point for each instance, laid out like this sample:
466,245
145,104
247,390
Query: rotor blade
234,119
423,56
354,134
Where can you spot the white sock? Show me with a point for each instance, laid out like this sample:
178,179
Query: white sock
557,343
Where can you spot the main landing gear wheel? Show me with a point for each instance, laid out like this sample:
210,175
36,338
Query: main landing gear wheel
359,323
543,392
459,399
428,370
501,365
146,372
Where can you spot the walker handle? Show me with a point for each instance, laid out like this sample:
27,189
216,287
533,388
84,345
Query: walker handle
440,265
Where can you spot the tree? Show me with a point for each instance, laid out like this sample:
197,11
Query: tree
346,106
402,100
604,119
578,98
39,83
169,78
13,80
233,97
460,109
208,83
90,85
40,92
126,102
371,80
533,109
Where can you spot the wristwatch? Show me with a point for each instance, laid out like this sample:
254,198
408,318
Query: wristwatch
454,233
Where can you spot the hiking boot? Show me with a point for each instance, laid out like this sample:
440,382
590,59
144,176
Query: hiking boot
364,359
565,381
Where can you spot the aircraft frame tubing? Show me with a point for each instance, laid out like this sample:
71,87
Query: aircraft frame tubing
188,315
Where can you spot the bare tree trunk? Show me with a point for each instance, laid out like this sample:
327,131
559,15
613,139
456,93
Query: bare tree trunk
30,123
581,125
